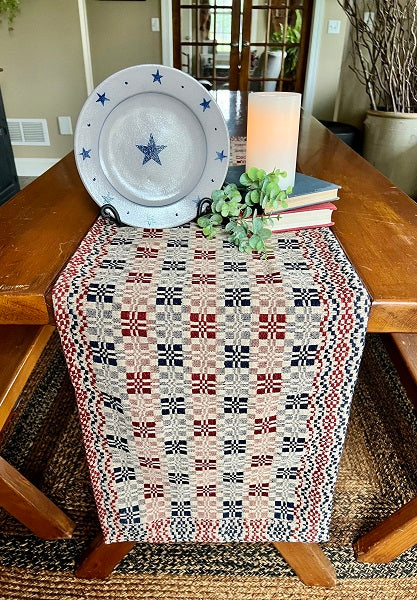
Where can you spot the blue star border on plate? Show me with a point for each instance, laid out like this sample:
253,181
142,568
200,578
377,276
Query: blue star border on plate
102,98
205,104
157,77
85,153
220,156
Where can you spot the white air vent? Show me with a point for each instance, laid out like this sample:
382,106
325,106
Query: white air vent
28,132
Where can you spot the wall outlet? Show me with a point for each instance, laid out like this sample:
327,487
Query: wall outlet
65,125
155,24
333,26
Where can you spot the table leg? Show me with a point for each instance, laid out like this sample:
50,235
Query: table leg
27,504
99,559
309,562
390,538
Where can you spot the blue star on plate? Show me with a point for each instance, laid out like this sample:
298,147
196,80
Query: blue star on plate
205,104
85,153
157,77
220,156
102,98
151,151
108,199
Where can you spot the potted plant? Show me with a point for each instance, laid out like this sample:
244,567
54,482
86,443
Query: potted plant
384,45
291,34
9,10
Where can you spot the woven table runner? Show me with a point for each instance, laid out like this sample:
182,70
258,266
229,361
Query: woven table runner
213,387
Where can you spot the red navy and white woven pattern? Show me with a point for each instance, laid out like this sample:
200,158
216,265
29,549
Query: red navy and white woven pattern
213,387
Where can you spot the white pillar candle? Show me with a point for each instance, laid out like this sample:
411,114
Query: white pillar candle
272,134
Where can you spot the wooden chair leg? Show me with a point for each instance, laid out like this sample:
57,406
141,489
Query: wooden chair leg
309,562
27,504
390,538
99,560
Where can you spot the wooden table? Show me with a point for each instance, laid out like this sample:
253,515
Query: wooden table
375,223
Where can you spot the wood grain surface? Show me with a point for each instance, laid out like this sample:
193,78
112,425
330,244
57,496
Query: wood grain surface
41,227
20,349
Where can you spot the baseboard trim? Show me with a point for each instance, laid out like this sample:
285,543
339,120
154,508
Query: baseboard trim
33,167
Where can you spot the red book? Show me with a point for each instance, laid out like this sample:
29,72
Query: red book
317,215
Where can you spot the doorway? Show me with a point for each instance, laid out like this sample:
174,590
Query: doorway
249,45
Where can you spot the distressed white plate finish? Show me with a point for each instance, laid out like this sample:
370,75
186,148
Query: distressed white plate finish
151,141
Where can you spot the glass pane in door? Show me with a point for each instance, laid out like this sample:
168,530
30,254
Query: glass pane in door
205,39
277,35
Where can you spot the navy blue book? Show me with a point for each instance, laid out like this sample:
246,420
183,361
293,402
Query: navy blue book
310,190
306,191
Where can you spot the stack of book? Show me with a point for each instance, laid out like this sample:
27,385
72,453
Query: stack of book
310,205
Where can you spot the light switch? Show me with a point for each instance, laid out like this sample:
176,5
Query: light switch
65,125
155,24
333,26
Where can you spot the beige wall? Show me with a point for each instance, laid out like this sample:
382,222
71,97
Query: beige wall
329,63
43,62
121,36
353,101
43,70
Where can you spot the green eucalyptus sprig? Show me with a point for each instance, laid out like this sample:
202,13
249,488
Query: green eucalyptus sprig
246,219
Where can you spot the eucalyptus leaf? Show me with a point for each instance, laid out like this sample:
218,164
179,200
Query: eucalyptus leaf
255,196
230,188
257,225
244,180
217,195
216,219
208,232
252,173
265,234
272,189
254,240
203,221
235,211
219,205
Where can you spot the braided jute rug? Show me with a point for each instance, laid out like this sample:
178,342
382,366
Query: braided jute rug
378,474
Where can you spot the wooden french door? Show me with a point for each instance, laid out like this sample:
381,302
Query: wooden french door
243,44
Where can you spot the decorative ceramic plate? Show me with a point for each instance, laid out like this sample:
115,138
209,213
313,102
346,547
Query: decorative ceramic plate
151,142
